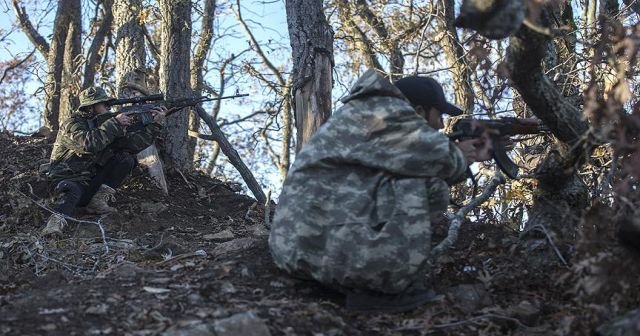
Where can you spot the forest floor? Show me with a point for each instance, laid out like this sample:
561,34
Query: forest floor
196,262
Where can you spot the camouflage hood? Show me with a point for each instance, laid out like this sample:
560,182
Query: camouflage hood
355,207
372,83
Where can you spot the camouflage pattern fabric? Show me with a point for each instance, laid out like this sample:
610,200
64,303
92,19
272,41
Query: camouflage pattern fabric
93,95
356,205
85,142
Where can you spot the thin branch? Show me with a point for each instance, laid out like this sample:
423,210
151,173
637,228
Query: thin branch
154,50
258,49
267,210
243,119
79,221
14,66
546,232
204,44
458,217
99,40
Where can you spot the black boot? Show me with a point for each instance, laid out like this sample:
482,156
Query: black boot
376,302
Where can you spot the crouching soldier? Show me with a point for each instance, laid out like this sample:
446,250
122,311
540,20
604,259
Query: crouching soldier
356,207
92,156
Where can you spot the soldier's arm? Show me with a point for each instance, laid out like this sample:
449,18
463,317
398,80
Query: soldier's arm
418,150
84,139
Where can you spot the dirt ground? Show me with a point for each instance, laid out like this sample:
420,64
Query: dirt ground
196,262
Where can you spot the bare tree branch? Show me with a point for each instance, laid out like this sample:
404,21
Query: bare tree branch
232,154
458,217
283,163
396,59
16,65
38,41
154,49
97,45
360,38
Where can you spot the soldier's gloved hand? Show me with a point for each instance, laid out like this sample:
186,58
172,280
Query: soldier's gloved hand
159,113
476,149
124,119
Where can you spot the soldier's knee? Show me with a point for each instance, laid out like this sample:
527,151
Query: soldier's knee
68,187
125,160
66,192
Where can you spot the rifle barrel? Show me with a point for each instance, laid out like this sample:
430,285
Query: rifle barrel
227,97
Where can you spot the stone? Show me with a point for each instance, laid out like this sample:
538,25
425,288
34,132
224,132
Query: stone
233,247
246,324
526,312
469,297
222,235
152,207
625,325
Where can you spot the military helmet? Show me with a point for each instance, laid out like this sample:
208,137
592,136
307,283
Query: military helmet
92,96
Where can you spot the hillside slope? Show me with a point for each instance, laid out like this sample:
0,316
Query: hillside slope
196,262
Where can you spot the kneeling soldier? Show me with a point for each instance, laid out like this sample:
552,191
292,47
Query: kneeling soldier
92,156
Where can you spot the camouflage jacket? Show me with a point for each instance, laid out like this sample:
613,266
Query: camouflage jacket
85,142
360,187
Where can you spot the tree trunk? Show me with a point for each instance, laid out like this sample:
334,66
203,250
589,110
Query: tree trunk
71,74
561,194
197,64
455,56
175,54
312,49
130,48
55,63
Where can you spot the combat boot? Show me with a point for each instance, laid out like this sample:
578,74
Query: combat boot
54,226
99,203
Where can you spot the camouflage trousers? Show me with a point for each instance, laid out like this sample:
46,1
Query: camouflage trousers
72,192
387,257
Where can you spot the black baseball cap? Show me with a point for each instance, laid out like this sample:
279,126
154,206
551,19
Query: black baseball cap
426,92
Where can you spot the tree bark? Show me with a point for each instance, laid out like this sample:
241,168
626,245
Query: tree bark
312,48
174,76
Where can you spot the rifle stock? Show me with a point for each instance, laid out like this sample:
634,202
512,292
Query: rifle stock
467,128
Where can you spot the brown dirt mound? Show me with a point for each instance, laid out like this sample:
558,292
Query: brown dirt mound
187,263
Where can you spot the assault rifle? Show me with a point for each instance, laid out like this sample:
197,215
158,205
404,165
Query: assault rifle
141,107
467,128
